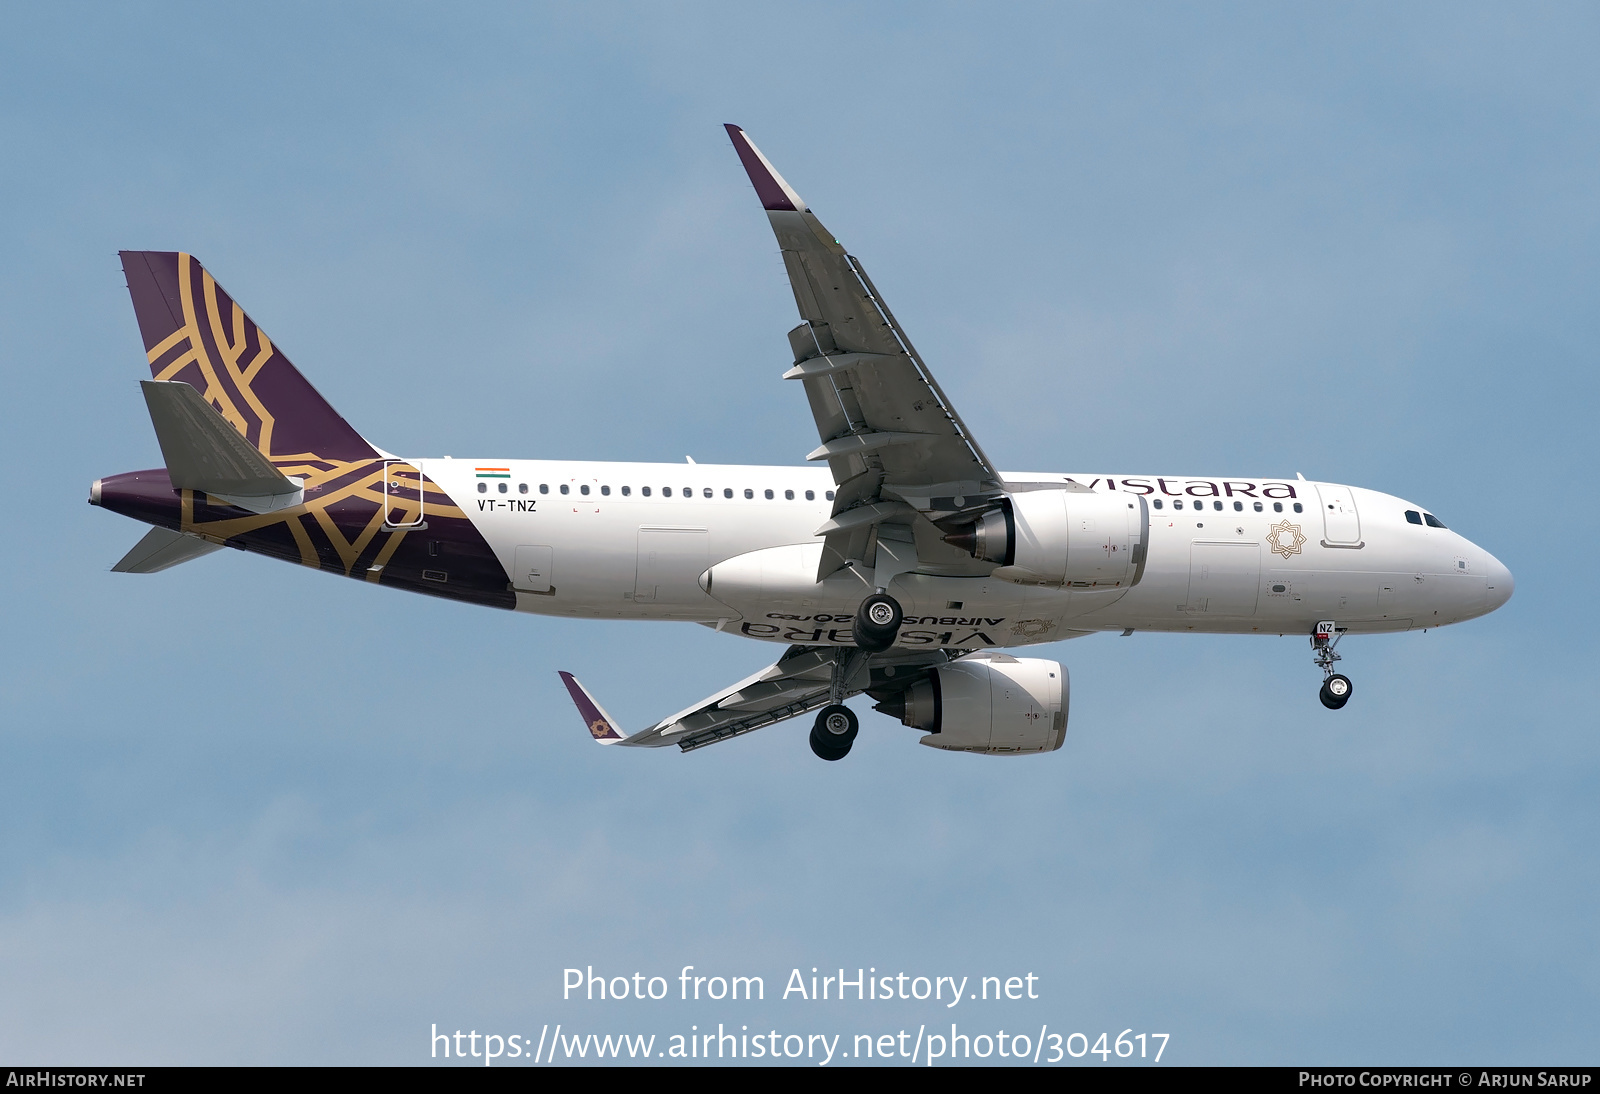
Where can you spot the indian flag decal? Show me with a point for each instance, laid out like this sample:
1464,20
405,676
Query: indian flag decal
494,472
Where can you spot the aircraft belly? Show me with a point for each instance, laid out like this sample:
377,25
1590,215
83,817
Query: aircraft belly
778,602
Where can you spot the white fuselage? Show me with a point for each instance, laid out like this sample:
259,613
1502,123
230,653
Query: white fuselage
1242,556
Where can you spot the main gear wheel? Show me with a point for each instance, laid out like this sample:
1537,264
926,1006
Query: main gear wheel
877,622
834,732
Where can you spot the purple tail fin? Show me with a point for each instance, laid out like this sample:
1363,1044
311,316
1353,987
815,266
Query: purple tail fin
194,332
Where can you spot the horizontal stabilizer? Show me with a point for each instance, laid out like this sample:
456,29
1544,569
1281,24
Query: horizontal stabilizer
204,452
162,549
595,719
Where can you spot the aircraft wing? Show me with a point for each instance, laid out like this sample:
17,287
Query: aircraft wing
801,681
894,442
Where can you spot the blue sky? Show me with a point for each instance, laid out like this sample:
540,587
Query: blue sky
254,814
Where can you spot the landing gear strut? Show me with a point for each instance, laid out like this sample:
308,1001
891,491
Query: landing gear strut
877,622
1336,687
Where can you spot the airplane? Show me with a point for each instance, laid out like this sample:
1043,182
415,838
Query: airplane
900,563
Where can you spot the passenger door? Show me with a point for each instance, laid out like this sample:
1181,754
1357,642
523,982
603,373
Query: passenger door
403,495
1340,521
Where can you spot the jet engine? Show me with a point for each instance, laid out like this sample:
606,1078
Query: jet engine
1062,539
990,703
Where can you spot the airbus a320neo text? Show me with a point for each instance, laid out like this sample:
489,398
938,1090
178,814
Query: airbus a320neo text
900,561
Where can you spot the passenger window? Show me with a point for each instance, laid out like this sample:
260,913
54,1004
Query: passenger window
1177,503
687,491
748,493
707,491
1217,505
1258,507
544,488
1433,521
483,488
788,495
1157,503
727,493
584,489
605,491
666,491
522,488
1277,507
1413,517
1297,507
769,495
505,488
829,495
645,490
1238,507
627,490
565,489
811,495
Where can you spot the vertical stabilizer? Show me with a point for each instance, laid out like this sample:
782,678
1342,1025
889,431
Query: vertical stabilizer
194,332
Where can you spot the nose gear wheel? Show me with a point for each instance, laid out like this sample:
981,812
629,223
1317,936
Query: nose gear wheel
1336,687
1335,691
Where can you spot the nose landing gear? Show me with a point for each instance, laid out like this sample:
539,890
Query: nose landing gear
1336,687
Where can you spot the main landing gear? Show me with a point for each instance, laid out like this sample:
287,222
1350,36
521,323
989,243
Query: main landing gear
1336,687
876,626
836,726
877,622
834,732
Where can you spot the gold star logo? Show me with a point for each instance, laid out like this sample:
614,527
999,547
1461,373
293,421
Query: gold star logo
1286,539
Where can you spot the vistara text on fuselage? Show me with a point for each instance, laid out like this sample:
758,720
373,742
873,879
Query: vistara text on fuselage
901,564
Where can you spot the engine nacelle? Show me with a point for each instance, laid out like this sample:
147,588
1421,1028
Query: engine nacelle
1064,539
991,703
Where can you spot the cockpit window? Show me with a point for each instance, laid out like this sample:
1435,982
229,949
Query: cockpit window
1433,521
1413,517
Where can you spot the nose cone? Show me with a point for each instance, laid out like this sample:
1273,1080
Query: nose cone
1499,581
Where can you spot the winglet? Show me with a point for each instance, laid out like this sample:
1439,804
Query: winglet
599,723
775,194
